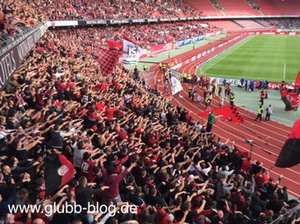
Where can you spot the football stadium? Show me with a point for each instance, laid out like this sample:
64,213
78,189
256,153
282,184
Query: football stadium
149,111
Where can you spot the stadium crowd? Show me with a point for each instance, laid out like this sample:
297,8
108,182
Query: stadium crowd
143,35
16,18
123,9
128,144
288,24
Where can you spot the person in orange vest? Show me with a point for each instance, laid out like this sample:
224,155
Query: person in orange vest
262,96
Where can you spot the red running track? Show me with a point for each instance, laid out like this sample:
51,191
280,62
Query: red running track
269,137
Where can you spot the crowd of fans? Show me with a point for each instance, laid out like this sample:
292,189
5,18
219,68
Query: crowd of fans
128,145
107,9
144,35
16,19
287,24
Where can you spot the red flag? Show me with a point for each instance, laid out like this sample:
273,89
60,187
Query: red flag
129,39
297,81
229,112
58,172
295,131
205,113
290,152
114,45
107,59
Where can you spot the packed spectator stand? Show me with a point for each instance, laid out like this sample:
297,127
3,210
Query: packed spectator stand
176,164
87,10
16,19
144,35
171,169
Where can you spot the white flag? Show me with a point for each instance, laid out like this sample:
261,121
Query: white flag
176,86
132,51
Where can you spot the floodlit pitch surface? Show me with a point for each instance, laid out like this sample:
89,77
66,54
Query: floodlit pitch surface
259,57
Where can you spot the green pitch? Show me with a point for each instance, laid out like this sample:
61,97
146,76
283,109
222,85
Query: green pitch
266,57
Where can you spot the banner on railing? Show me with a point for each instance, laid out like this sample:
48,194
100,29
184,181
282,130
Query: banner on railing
156,49
190,40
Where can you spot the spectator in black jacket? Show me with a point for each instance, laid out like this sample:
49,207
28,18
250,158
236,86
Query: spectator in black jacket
10,195
84,198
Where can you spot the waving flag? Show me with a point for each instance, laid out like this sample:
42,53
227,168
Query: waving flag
132,51
176,86
107,59
291,99
290,152
58,172
297,81
113,45
228,112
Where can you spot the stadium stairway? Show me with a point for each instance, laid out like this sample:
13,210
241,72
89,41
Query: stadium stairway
234,21
237,7
251,24
259,22
205,6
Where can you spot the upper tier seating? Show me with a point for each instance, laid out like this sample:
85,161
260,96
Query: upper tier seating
205,6
225,24
279,7
237,7
249,24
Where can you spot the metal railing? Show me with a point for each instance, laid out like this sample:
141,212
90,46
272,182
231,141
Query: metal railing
289,216
6,41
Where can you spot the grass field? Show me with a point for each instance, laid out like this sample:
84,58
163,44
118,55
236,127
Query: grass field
258,57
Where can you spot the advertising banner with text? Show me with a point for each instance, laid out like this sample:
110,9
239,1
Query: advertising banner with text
186,41
161,48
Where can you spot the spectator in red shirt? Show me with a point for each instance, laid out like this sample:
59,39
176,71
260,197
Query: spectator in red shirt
261,177
92,118
109,113
246,163
39,98
60,88
121,133
87,166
